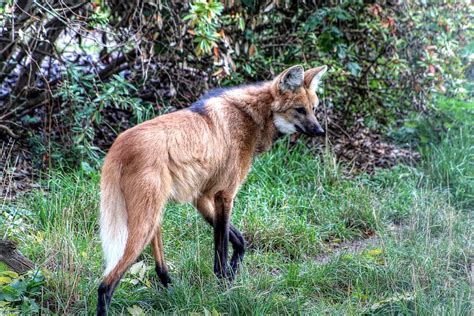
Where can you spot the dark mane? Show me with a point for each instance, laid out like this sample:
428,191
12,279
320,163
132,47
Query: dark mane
199,105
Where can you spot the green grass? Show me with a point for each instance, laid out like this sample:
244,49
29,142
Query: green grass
294,207
450,166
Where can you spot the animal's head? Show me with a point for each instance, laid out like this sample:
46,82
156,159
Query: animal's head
296,100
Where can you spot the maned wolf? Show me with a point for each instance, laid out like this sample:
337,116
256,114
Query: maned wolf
201,154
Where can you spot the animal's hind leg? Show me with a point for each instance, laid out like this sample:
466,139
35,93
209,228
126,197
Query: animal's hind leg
145,203
238,244
157,248
135,244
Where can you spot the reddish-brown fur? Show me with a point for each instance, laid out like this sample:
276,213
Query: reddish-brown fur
190,156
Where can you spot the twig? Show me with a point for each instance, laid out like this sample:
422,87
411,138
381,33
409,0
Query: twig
8,130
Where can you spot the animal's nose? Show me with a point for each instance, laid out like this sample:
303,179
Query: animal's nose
318,130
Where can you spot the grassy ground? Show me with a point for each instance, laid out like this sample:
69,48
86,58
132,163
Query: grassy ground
294,207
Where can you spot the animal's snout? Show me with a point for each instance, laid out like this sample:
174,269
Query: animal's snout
317,130
312,130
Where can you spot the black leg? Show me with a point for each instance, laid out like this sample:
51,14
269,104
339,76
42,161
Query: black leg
103,299
104,296
221,242
222,210
163,275
209,211
238,244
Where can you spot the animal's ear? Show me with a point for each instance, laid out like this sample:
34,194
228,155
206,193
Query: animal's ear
291,79
312,77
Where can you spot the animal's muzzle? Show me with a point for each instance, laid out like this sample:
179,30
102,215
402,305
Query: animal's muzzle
317,130
312,130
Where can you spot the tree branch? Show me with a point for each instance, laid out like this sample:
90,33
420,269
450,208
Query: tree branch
13,258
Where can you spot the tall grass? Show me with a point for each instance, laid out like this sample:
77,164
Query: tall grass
450,165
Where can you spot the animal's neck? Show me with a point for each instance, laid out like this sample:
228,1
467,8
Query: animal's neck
256,102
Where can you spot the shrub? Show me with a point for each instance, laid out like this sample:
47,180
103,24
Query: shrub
385,59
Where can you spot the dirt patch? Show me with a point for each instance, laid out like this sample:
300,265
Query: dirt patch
347,247
354,246
363,149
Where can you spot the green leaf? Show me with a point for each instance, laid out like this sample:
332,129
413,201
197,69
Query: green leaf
86,167
135,310
354,69
241,24
11,274
9,294
5,280
29,306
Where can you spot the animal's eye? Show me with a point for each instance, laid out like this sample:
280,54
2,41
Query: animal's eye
301,110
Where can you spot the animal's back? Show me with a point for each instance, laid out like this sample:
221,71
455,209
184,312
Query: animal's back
186,147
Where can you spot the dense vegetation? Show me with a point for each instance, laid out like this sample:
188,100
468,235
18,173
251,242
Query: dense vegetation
321,238
73,74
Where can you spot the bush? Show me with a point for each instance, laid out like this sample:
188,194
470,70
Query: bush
385,59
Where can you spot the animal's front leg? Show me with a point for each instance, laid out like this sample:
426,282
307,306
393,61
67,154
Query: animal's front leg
223,209
205,205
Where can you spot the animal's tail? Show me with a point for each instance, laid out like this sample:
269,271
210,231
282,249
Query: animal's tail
113,217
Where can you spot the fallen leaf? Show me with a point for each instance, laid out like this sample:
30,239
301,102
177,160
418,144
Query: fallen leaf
135,310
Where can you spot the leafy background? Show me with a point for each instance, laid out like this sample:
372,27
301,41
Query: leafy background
98,67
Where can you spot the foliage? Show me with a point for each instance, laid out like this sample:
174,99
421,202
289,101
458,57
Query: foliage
204,17
86,101
20,293
420,129
386,59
